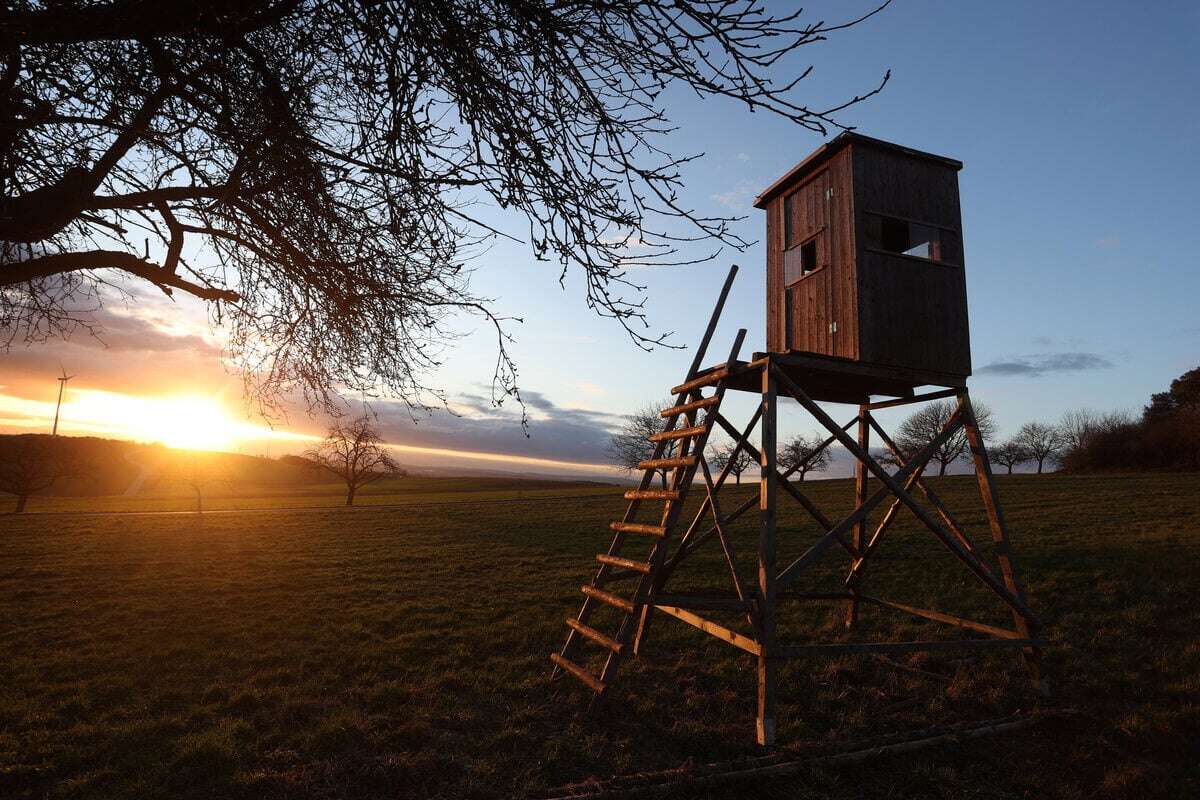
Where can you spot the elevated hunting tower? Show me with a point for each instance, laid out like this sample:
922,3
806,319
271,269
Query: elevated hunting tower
866,302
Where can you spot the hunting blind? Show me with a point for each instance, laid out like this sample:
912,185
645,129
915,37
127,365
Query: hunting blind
866,303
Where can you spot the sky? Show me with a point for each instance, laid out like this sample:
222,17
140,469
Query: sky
1079,128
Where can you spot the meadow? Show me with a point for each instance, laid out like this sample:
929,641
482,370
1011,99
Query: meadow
401,651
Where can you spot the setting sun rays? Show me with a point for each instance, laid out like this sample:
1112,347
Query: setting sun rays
190,421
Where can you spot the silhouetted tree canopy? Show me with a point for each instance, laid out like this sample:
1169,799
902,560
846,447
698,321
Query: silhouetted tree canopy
630,444
1041,442
1184,394
805,454
1009,453
355,453
736,460
923,426
314,169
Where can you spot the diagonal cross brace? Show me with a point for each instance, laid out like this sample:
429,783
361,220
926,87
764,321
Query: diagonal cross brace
865,508
971,562
930,495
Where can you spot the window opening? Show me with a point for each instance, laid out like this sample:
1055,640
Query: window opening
800,261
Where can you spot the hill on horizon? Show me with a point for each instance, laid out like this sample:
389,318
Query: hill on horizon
122,467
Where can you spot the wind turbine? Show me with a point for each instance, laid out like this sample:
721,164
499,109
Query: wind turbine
62,382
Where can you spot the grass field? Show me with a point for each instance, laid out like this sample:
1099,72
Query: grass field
225,497
401,652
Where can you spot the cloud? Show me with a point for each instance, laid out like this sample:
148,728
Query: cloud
132,353
1109,242
743,157
1039,364
555,432
738,198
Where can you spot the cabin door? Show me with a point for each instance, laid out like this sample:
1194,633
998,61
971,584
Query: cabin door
808,297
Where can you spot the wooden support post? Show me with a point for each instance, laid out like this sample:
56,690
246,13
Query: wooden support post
991,503
860,497
765,728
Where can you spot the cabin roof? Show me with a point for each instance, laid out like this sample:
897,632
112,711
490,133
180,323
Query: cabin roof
826,151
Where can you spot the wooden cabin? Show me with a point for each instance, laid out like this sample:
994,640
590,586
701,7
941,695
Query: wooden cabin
865,260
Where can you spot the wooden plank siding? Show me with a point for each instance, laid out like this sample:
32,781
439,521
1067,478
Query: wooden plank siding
822,206
912,312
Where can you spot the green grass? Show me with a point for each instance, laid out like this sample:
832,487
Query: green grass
401,652
231,497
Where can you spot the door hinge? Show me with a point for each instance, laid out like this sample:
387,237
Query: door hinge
833,327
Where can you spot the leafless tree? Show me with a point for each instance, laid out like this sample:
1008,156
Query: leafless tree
197,471
1009,454
630,444
1041,442
313,169
1078,426
741,461
923,425
32,463
799,451
354,452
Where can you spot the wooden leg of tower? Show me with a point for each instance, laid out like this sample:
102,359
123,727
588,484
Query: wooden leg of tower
860,497
999,530
765,728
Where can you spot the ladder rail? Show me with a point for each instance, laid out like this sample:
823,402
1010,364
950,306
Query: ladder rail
660,447
682,483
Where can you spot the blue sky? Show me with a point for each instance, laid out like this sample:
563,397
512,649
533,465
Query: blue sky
1079,127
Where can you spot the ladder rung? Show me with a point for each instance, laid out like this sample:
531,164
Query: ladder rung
692,406
652,494
667,463
579,672
637,527
607,598
707,379
681,433
624,563
596,636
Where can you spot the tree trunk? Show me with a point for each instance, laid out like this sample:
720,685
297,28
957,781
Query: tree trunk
737,476
350,495
199,502
21,500
663,477
942,468
1010,466
1040,460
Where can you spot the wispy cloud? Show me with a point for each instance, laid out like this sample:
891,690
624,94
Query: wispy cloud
1109,242
555,432
1039,364
743,157
738,198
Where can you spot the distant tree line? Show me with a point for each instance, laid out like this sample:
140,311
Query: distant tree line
1165,436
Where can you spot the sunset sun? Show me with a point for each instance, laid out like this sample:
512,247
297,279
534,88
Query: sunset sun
192,422
188,421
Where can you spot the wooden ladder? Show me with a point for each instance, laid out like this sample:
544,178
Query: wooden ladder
678,452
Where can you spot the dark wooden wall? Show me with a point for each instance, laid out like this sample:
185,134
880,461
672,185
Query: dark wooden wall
912,312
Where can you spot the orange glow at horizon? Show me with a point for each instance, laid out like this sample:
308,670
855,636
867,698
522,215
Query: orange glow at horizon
195,421
190,421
